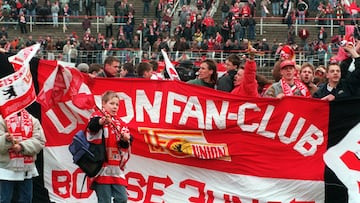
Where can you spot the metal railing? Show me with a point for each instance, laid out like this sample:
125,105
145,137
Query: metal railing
265,62
262,22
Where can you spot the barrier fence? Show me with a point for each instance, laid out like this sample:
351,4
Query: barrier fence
265,62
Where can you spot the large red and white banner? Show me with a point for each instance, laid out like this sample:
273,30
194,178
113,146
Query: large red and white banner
195,144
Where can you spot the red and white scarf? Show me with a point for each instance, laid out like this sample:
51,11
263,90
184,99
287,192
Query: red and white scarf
115,129
298,86
21,128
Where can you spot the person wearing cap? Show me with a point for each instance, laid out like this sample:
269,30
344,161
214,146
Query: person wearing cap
307,76
288,85
338,86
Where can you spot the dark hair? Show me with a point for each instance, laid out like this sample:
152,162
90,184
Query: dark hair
155,65
212,65
234,59
262,82
129,67
110,59
95,67
142,67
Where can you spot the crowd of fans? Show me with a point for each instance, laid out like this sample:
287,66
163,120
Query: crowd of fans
195,27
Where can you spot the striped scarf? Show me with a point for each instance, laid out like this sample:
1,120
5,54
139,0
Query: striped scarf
21,128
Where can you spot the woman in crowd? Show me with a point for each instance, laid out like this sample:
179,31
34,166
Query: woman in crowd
207,74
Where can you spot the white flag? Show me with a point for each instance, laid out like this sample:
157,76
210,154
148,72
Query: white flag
170,67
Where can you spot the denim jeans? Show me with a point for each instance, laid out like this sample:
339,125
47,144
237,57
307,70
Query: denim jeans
275,8
18,191
105,192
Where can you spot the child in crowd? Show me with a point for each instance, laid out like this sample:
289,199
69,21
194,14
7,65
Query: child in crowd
110,182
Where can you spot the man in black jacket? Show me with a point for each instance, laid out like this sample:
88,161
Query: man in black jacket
226,81
341,86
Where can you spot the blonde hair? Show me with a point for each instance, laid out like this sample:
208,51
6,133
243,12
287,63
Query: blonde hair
108,95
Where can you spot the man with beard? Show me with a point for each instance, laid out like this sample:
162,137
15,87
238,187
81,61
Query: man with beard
307,76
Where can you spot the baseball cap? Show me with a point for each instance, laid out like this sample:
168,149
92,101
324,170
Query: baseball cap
287,63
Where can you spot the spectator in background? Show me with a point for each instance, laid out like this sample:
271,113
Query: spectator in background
339,11
264,8
276,7
341,29
75,7
286,10
322,35
329,10
160,5
22,23
55,13
209,25
67,12
304,35
291,35
30,7
251,28
128,31
30,41
225,8
301,11
225,29
321,50
244,23
86,24
100,7
198,37
108,21
88,7
226,81
4,33
146,7
207,74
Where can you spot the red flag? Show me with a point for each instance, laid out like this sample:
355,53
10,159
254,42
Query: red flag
17,91
23,56
65,84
